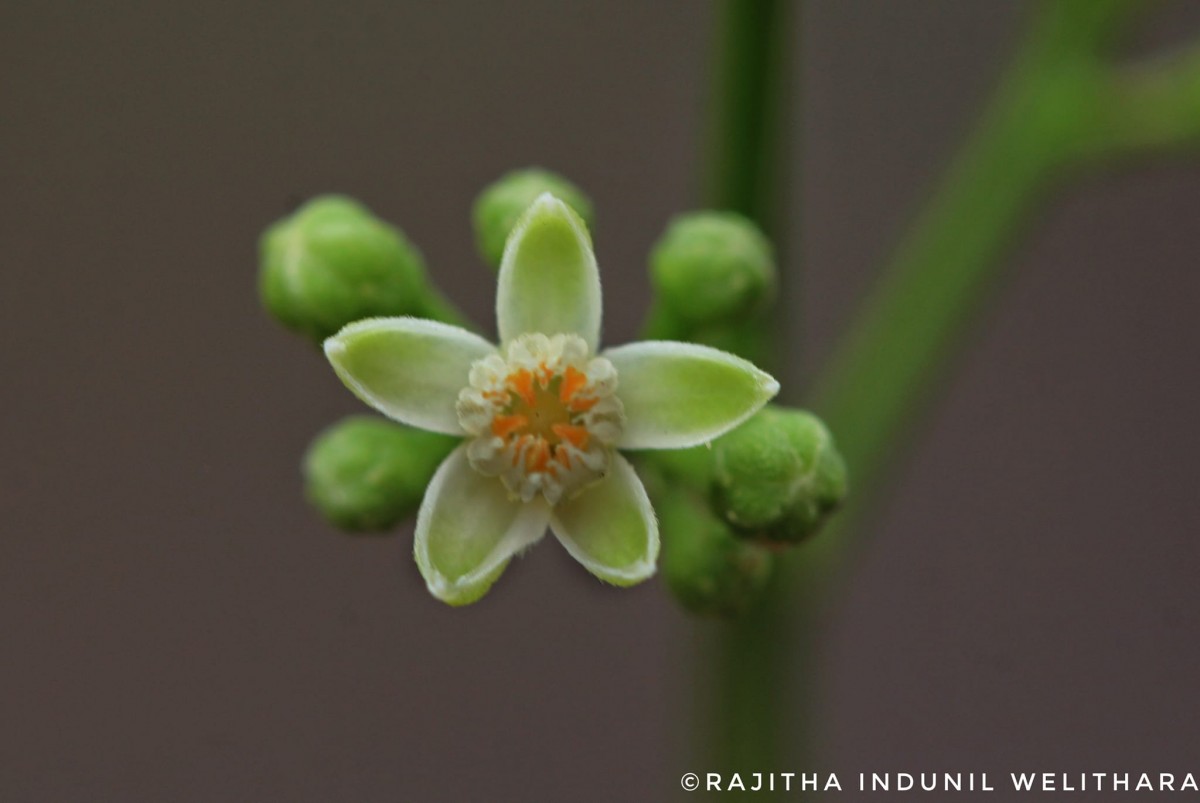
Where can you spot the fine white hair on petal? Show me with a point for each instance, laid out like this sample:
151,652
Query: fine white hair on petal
611,529
549,280
468,529
679,395
409,369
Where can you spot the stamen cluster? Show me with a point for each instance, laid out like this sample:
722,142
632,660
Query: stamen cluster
544,416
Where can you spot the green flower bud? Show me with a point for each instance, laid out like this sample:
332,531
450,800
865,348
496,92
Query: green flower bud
332,263
778,476
501,203
708,569
366,474
712,267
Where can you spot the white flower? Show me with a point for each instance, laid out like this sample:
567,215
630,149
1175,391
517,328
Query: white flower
543,414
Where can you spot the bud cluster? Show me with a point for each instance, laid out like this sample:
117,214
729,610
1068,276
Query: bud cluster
723,511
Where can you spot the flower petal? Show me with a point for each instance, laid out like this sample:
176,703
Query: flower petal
409,369
468,528
610,527
549,281
678,395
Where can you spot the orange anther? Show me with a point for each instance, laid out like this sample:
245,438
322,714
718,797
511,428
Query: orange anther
573,380
505,425
582,405
575,435
522,383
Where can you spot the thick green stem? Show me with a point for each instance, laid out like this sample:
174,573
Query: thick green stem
763,673
743,158
1043,119
751,669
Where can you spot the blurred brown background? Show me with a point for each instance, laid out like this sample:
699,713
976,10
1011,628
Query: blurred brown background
176,624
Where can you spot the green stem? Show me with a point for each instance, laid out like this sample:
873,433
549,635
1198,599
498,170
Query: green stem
762,660
743,136
915,321
1043,119
750,666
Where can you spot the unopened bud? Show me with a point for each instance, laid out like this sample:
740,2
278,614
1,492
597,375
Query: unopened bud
367,474
709,569
713,267
332,262
778,476
501,204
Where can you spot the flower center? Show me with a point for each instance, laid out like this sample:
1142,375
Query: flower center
544,418
546,408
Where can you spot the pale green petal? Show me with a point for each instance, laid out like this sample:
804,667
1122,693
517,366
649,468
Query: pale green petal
610,527
678,395
549,281
409,369
468,528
